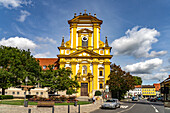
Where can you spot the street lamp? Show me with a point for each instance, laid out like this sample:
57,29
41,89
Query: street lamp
25,102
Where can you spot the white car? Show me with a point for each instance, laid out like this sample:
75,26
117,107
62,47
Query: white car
111,103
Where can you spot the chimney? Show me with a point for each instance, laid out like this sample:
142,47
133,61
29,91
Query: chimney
169,76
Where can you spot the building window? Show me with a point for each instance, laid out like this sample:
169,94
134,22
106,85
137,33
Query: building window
101,86
44,67
17,93
84,69
29,93
41,93
37,93
101,73
13,93
84,42
5,92
24,93
0,92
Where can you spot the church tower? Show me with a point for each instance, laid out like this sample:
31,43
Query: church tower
85,54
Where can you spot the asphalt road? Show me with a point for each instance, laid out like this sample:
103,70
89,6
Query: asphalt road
141,106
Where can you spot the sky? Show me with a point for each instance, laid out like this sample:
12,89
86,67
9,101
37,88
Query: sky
138,30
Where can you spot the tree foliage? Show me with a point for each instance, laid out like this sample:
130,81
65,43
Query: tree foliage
59,80
120,81
15,66
138,80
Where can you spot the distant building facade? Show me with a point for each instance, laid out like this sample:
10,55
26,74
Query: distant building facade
148,91
137,92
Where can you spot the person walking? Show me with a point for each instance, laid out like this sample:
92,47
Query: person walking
93,99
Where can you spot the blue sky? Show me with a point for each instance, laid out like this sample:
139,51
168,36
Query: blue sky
137,30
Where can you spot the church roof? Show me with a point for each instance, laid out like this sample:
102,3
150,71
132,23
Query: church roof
85,18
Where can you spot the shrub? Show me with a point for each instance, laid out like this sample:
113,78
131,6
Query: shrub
30,96
63,98
6,97
98,93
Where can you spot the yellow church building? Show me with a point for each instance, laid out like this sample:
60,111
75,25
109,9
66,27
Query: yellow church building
85,54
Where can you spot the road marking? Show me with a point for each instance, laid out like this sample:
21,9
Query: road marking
127,109
154,108
123,106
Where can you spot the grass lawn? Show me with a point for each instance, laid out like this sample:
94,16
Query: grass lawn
21,102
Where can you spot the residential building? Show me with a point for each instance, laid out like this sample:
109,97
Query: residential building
157,89
165,91
148,91
137,92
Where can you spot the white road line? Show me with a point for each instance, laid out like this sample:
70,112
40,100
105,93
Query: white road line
154,108
127,109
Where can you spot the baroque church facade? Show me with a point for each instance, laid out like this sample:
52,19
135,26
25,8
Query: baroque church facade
85,54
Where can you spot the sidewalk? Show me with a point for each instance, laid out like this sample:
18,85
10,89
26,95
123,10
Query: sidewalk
57,109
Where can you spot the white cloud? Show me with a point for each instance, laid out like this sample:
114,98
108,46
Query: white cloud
165,69
47,39
137,43
20,42
157,76
144,67
10,4
42,55
23,16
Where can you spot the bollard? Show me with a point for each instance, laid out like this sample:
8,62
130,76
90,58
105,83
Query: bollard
53,109
79,109
68,108
29,110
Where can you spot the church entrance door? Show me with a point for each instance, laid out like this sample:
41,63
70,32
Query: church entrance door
84,89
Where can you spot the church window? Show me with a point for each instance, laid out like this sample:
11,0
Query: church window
84,42
101,86
44,67
84,69
101,73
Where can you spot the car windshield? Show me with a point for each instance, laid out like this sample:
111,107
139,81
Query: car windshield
110,101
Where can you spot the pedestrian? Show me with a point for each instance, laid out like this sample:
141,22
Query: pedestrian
93,99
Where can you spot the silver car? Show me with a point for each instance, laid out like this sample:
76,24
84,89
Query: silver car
111,103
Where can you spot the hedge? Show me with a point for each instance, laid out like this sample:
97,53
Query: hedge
6,97
98,93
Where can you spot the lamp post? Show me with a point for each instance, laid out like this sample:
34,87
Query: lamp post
25,102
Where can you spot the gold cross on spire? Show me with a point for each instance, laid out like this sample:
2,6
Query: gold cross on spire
85,11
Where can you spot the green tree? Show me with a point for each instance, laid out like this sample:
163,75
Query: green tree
59,80
15,66
138,80
119,82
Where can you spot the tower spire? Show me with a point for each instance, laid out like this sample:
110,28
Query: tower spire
106,42
62,43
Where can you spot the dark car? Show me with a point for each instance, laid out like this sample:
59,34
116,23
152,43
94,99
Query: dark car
134,99
148,99
153,100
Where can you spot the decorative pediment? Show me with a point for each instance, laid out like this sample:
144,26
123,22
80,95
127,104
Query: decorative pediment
84,52
84,31
85,18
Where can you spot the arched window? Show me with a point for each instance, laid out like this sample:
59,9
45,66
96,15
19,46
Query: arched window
84,69
84,42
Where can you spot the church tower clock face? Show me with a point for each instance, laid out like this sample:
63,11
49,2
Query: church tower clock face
85,54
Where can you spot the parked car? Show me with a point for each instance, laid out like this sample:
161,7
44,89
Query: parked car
111,103
152,99
134,99
148,99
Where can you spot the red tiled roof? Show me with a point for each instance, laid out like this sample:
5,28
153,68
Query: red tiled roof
138,86
48,61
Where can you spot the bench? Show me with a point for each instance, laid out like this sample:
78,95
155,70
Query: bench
45,104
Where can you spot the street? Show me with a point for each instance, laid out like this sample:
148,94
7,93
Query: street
142,106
